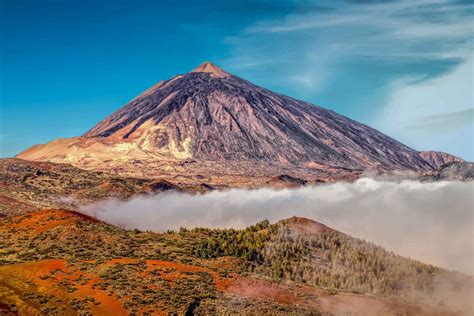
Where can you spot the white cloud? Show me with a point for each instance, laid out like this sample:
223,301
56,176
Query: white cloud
307,51
427,221
428,113
298,23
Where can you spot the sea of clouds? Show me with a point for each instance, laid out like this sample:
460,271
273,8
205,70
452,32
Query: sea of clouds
431,222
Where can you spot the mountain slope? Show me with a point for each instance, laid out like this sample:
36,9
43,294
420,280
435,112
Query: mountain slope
27,186
211,115
438,158
452,171
62,262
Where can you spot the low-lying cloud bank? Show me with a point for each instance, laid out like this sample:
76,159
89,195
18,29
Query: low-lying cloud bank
431,222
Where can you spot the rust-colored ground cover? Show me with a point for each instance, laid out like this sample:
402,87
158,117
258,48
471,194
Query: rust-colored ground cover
98,284
38,222
44,277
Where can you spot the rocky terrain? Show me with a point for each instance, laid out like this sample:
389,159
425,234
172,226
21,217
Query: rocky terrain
63,262
438,159
27,186
452,171
209,123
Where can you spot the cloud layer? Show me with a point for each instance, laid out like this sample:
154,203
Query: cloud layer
432,222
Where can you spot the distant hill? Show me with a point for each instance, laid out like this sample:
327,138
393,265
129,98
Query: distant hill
438,159
28,186
452,171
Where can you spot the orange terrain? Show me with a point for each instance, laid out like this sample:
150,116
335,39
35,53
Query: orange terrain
107,285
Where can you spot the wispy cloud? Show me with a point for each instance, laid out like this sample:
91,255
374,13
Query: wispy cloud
446,122
427,28
297,23
433,113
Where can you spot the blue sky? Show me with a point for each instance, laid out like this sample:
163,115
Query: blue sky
403,67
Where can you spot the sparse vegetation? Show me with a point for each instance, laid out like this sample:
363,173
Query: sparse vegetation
27,186
328,259
199,271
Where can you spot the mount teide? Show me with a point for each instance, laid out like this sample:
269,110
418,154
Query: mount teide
208,125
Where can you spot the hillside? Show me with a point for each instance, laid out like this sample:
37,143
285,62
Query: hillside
61,261
437,159
452,171
213,123
27,186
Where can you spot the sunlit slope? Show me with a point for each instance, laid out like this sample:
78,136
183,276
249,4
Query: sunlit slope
56,260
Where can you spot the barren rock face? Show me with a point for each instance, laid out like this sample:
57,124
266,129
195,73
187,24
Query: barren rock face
211,115
438,159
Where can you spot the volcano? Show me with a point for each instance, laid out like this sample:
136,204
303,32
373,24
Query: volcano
208,122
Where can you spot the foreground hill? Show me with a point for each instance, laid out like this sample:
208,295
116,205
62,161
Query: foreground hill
213,123
57,261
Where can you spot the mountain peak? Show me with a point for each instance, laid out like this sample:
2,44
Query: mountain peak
234,123
210,68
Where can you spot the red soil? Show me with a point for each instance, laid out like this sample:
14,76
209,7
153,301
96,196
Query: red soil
38,222
45,276
261,289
